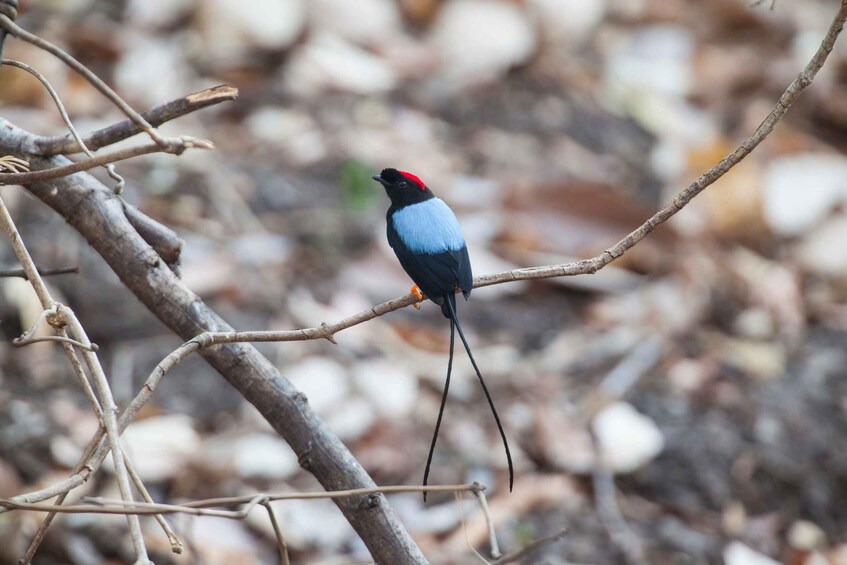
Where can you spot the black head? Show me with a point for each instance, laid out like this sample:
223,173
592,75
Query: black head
403,188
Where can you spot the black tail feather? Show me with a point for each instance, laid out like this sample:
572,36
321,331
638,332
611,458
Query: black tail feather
450,301
441,408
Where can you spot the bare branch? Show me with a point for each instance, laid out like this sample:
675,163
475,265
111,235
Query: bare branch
24,341
110,168
280,540
59,316
584,267
175,146
492,535
163,239
98,215
65,144
98,505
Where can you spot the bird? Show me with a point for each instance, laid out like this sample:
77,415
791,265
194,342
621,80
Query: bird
425,235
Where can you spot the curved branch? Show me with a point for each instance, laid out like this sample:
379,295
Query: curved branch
584,267
175,146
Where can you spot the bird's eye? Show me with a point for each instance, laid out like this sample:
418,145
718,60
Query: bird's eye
402,184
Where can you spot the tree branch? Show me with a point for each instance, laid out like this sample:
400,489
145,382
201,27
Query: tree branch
65,144
584,267
174,146
98,215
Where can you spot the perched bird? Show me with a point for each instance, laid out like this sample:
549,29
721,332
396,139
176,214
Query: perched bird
425,236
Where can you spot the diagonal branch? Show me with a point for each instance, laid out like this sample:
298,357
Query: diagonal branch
176,146
98,215
65,144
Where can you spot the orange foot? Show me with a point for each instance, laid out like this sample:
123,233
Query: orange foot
417,292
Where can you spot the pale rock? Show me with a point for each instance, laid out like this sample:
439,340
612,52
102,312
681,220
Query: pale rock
220,542
652,60
755,323
261,249
328,62
479,40
262,456
628,440
156,13
322,380
159,447
392,388
486,262
763,360
817,558
823,250
359,21
231,30
568,21
293,132
151,72
801,189
736,553
306,523
804,535
475,192
352,419
435,518
688,375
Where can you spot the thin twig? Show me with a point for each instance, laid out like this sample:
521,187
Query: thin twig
280,540
176,545
110,423
605,499
110,168
97,505
66,145
530,547
9,273
22,342
181,143
492,534
65,316
459,504
79,371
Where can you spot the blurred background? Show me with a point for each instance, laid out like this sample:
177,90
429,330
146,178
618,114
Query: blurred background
684,405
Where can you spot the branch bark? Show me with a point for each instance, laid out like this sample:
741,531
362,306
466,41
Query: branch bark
94,211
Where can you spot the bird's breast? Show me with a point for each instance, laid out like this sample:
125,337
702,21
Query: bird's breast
428,227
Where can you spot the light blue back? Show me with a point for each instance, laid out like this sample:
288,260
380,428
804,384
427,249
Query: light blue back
428,227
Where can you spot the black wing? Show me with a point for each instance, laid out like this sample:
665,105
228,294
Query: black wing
436,274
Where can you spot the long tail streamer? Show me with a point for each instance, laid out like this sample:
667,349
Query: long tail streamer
454,319
441,408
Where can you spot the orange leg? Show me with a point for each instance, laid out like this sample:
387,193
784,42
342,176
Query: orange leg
417,292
